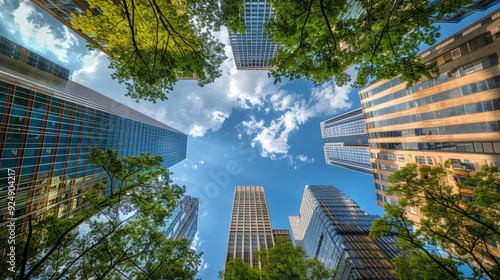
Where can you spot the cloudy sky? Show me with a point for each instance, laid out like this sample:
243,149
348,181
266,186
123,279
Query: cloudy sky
243,129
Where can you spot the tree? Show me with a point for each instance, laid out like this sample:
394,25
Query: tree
322,38
119,233
463,227
151,43
284,261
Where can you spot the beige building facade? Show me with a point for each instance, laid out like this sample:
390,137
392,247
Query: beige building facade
250,229
454,116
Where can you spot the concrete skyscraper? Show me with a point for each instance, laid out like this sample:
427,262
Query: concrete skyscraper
334,229
185,219
454,116
48,127
250,229
253,49
346,142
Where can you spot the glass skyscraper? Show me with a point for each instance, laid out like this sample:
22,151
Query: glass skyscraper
185,219
48,127
334,229
346,142
253,49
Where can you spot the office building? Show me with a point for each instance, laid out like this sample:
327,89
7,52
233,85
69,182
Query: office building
184,219
346,142
282,233
48,127
253,49
453,116
250,229
331,227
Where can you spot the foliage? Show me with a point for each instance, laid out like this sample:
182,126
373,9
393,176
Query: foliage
322,38
118,233
231,13
461,227
151,43
284,261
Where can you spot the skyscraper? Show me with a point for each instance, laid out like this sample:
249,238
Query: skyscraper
452,116
253,49
48,127
346,142
184,221
250,228
334,229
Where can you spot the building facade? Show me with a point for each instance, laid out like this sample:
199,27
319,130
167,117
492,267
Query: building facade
250,229
185,219
282,233
334,229
346,142
48,127
253,49
454,116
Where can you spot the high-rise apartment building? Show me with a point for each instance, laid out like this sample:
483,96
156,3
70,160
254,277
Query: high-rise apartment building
334,229
454,116
346,142
48,127
253,49
185,219
250,229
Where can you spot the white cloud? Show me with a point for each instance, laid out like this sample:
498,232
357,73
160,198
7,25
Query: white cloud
195,166
272,137
205,213
40,36
305,158
201,162
189,108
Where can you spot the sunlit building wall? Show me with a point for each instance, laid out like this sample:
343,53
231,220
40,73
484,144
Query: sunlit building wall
454,116
250,229
48,127
333,228
346,142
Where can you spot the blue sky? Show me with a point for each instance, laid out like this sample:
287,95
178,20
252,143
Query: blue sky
243,130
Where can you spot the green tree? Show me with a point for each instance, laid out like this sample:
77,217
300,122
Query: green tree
322,38
118,234
461,226
151,43
283,261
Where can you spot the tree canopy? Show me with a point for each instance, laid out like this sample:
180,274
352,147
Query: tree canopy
284,261
456,226
321,39
119,233
152,43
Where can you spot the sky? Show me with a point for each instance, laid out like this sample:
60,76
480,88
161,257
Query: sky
243,129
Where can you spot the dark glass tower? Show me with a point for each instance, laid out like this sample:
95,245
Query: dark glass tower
334,229
185,219
48,126
346,142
